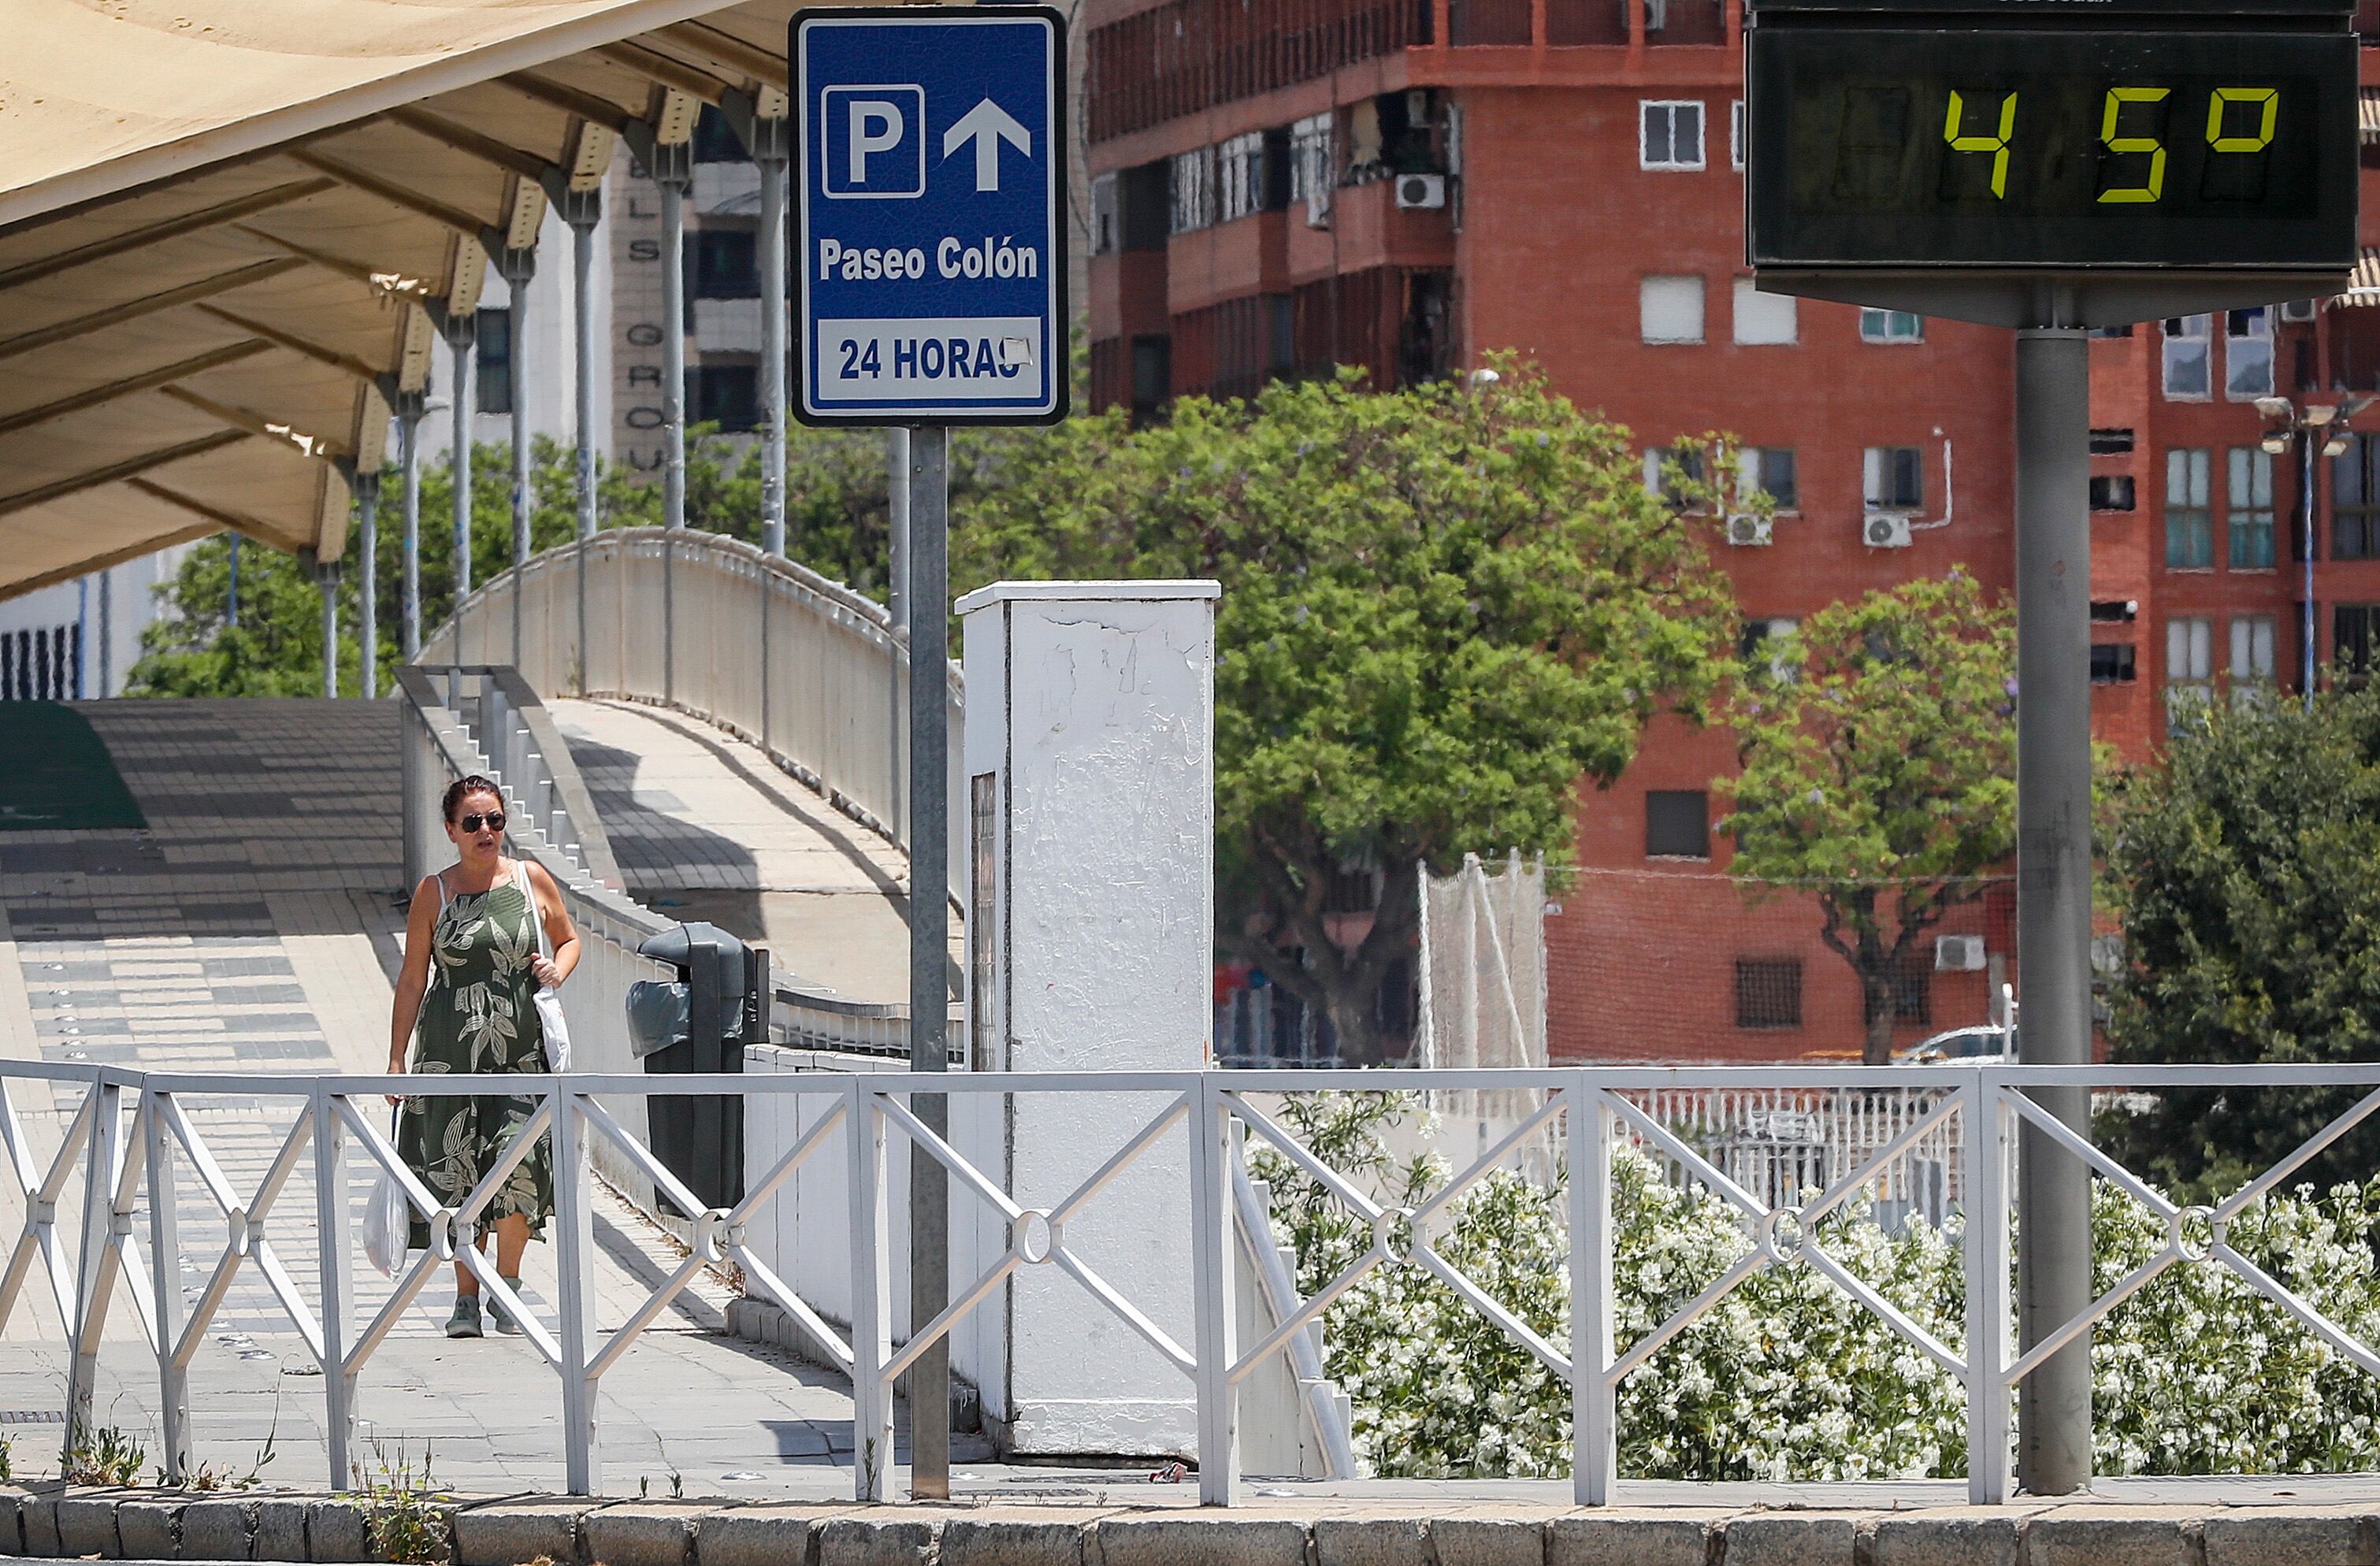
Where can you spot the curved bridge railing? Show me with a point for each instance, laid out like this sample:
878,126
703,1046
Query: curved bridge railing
805,668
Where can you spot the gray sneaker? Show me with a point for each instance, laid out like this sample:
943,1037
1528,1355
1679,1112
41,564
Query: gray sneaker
465,1322
498,1316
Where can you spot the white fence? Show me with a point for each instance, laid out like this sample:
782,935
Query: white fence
805,668
100,1216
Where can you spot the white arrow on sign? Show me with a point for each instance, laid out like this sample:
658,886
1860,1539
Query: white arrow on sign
987,125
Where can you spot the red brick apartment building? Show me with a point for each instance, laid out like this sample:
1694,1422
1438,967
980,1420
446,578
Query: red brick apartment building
1404,185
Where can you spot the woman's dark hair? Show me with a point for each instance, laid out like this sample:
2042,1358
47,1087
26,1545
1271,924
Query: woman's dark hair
463,787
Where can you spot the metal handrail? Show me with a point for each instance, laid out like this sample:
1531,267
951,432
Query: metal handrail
807,669
125,1131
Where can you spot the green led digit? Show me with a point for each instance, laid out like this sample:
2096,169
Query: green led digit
2117,98
2268,99
1954,132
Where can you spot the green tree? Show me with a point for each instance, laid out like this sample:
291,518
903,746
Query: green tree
1442,609
2251,919
1878,766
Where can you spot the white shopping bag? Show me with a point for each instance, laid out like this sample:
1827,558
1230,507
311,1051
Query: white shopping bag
387,1217
550,1022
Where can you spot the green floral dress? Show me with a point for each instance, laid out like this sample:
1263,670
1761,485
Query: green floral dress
478,1015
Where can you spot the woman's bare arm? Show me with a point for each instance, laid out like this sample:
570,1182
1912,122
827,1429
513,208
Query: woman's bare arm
560,932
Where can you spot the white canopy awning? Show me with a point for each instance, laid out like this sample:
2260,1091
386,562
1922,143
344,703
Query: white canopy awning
225,225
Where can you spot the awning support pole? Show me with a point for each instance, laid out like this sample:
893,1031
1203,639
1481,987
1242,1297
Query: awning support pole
773,166
673,171
583,210
462,332
520,268
409,426
367,488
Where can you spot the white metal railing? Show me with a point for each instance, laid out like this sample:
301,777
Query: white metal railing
805,668
124,1133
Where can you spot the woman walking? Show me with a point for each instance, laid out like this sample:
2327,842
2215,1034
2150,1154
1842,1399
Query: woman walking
466,1001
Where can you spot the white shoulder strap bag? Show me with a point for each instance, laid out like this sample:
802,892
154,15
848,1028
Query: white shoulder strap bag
550,1022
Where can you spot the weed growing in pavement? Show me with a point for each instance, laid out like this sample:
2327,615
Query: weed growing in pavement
206,1476
105,1456
402,1519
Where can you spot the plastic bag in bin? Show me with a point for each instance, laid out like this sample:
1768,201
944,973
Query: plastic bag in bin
657,1016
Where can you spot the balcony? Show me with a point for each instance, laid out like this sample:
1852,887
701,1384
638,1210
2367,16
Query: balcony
1641,27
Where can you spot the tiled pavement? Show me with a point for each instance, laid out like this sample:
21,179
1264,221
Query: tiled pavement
705,827
254,926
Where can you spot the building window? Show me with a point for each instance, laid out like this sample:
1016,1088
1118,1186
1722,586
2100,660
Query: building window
1769,470
2115,610
1891,326
1107,236
1666,468
2355,501
1768,992
1760,648
2112,663
1670,309
1152,377
2247,353
2111,491
492,359
727,396
1313,165
1765,320
726,263
2110,443
2251,512
715,140
1669,136
2188,518
1190,184
2355,637
2251,658
1896,479
1735,134
1677,824
2189,357
2189,664
1912,989
1241,176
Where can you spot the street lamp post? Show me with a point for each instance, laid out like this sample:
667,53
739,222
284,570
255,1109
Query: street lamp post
2315,426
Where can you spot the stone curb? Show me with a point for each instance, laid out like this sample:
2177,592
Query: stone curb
162,1525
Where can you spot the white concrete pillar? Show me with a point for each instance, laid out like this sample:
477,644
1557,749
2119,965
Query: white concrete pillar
1089,749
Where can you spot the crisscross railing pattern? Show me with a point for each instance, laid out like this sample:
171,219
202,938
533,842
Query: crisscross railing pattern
125,1141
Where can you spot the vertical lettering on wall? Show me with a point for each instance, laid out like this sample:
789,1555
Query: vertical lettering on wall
635,324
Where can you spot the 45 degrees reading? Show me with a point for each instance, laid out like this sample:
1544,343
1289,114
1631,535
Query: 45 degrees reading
2238,120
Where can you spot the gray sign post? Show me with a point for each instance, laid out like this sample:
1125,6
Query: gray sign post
931,261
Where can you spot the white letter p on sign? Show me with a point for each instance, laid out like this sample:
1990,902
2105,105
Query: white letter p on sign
874,127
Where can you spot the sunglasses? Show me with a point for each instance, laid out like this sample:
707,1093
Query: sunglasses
494,819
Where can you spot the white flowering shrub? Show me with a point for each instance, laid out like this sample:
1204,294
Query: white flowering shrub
1788,1377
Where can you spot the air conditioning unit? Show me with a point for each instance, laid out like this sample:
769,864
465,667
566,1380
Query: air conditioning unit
1421,191
2297,309
1885,529
1958,953
1745,529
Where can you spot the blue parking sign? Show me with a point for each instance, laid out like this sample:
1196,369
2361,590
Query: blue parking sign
931,242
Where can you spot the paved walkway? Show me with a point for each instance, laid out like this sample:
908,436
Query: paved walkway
256,926
705,827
